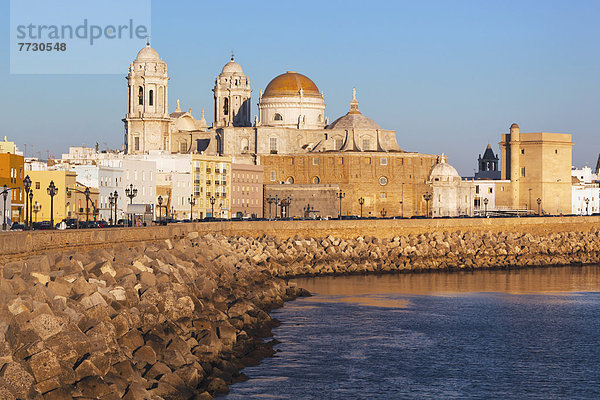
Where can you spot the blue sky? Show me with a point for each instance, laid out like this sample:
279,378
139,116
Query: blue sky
448,76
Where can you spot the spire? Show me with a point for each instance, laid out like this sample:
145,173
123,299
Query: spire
147,40
178,109
354,103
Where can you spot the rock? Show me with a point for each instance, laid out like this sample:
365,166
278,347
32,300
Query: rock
217,386
44,365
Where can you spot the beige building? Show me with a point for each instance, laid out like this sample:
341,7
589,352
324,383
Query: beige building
538,165
304,201
212,186
246,190
450,195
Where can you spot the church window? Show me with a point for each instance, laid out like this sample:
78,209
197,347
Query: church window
136,142
290,180
273,176
522,151
338,143
183,147
315,161
273,145
383,181
383,195
151,98
366,144
315,180
236,82
141,96
226,106
383,161
245,144
277,117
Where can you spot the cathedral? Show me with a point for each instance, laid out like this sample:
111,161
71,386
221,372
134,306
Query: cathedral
290,137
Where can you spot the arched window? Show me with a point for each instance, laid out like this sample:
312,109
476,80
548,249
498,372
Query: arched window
141,96
245,144
278,117
226,106
151,97
290,179
315,180
320,118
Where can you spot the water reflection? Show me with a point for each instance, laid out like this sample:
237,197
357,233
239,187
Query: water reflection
373,290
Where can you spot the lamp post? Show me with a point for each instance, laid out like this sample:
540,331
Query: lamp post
4,195
111,202
116,201
485,203
361,201
30,207
270,200
539,203
172,212
212,206
192,201
160,201
285,203
52,191
383,213
587,203
340,195
86,192
529,204
36,209
130,192
427,197
27,187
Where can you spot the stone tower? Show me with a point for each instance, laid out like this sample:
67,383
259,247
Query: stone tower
232,97
488,165
147,120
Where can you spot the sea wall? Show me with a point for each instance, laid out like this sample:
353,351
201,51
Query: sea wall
26,243
170,312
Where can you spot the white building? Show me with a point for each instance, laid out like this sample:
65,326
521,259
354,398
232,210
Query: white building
451,195
111,181
584,174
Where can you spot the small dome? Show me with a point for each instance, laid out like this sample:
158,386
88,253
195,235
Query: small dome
147,54
289,85
443,171
354,119
514,125
232,67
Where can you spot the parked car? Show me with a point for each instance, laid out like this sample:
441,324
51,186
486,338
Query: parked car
17,227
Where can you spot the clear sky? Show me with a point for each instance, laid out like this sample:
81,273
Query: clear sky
448,76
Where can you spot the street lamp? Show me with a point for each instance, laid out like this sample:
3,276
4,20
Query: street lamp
4,195
116,202
27,186
192,201
587,203
285,203
539,203
130,192
52,191
160,201
30,206
270,200
111,203
383,213
485,203
361,201
212,206
427,197
340,195
36,209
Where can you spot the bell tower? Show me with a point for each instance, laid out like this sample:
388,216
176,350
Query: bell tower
232,95
147,120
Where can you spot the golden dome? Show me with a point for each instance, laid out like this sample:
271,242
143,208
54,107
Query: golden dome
289,84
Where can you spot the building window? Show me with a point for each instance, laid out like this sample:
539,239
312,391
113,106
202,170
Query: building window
273,176
315,180
523,171
290,179
490,190
273,145
366,144
522,151
502,188
383,181
315,161
383,195
183,147
277,117
383,161
555,151
226,106
136,141
141,96
338,143
151,97
477,189
37,185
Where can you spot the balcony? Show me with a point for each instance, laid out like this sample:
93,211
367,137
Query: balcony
207,194
217,171
217,182
217,194
208,182
208,170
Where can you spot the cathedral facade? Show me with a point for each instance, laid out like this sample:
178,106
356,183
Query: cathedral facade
290,137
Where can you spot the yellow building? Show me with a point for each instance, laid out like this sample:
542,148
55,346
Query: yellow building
538,166
64,207
211,180
11,175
